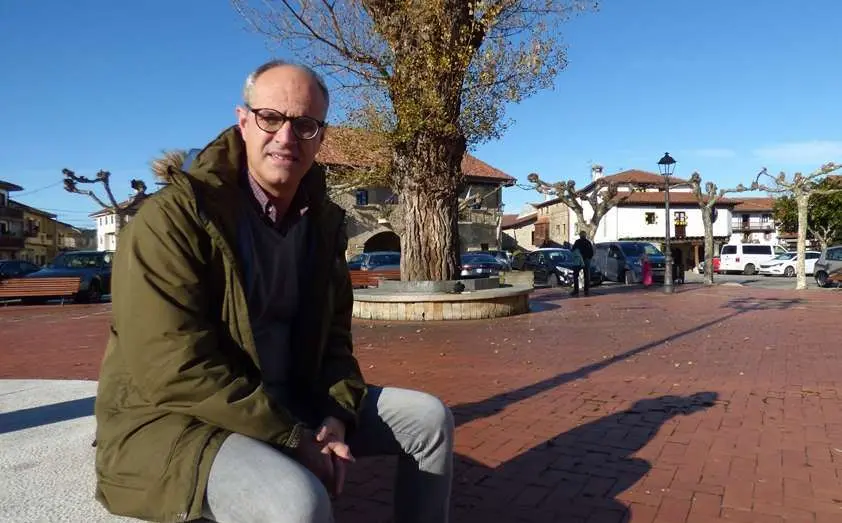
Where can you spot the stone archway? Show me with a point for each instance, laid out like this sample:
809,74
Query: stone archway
383,241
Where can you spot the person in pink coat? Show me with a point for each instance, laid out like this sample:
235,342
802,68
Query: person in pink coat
647,271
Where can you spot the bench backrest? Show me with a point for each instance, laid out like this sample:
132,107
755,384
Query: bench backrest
22,287
371,278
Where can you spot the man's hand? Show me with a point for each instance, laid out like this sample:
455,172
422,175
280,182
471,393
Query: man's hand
331,435
310,453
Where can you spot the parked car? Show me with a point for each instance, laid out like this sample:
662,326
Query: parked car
376,260
830,262
715,265
784,264
746,257
621,261
16,268
504,257
479,265
554,267
92,267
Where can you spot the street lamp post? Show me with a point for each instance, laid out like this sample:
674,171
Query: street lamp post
666,166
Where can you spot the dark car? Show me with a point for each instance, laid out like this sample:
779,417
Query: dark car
479,265
16,268
503,257
376,260
622,261
92,267
555,267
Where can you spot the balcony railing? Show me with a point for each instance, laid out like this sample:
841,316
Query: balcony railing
740,226
11,213
7,241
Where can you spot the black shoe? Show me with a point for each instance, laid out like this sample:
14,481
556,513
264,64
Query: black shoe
574,294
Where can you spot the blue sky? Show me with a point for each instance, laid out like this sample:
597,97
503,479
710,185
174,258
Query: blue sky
726,87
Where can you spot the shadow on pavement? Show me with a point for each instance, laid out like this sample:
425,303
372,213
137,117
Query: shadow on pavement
46,414
575,476
488,407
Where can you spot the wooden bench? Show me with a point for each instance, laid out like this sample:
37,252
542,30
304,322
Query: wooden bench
24,288
835,277
365,279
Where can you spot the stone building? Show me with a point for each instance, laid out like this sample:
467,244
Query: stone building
11,223
373,213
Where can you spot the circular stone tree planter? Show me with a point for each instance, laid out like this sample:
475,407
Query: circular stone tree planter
430,301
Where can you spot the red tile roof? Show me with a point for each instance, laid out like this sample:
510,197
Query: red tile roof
358,148
508,219
518,221
636,176
676,198
653,198
754,204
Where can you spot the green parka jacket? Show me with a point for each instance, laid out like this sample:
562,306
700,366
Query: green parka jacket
181,372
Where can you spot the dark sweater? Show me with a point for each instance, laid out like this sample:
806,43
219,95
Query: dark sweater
272,261
585,248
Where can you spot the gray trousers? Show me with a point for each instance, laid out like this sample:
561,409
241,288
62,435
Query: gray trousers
251,482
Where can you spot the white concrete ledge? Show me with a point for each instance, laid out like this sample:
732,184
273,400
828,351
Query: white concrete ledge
46,458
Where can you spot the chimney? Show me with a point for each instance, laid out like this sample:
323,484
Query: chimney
596,172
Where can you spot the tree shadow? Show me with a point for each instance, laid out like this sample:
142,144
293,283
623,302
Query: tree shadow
574,476
468,412
46,414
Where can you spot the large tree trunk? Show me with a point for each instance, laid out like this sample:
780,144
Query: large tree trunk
708,224
802,201
428,172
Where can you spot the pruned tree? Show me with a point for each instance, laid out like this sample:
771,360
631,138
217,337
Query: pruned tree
120,209
801,187
824,212
435,77
707,200
601,196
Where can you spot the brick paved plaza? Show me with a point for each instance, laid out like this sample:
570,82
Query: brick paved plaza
709,405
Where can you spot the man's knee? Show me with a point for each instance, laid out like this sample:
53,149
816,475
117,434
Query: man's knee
309,503
434,418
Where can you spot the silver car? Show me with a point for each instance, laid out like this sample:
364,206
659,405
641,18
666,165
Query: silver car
829,265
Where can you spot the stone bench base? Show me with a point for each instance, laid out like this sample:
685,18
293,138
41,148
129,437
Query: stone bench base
378,304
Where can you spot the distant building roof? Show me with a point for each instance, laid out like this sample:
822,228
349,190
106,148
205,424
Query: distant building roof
359,148
638,177
755,204
32,210
131,210
9,186
629,177
676,198
519,221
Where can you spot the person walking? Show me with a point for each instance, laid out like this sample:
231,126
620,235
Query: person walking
585,249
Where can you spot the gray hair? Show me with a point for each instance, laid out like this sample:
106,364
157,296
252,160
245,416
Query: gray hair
248,87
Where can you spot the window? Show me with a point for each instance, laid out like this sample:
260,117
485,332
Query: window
764,250
812,256
362,197
835,254
2,199
651,218
4,228
680,218
766,218
729,249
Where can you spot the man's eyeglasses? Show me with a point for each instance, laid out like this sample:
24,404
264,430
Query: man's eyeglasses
271,121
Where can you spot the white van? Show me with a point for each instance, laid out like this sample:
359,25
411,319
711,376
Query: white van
746,257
